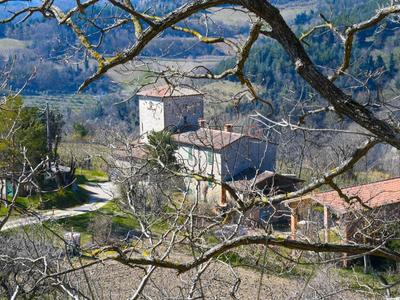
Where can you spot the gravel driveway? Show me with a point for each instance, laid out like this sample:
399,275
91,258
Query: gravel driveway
99,195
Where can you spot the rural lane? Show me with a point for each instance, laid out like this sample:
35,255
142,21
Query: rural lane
99,195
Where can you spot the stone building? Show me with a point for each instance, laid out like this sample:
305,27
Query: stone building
170,108
221,154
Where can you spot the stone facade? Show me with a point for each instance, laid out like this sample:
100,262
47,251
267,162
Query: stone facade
222,154
172,112
151,114
183,111
200,160
247,153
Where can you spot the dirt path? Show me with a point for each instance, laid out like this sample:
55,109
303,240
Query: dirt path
99,195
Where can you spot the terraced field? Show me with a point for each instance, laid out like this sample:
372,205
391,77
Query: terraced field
64,103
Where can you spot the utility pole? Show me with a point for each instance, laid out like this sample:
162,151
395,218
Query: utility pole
48,130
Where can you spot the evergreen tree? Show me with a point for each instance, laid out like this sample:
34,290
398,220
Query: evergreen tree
162,148
21,128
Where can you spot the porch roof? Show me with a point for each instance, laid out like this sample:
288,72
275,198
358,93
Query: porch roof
267,182
372,195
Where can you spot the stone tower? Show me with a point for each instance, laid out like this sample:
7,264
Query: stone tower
175,108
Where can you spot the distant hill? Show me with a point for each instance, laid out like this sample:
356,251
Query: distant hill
44,45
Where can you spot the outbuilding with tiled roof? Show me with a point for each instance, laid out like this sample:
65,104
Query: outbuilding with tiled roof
383,194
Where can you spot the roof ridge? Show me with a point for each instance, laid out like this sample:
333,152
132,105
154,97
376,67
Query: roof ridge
222,131
168,90
242,134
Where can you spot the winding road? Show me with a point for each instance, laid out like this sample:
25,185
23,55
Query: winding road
99,195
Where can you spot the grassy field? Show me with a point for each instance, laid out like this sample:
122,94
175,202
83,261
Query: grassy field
244,257
290,11
121,222
63,198
22,202
83,175
218,97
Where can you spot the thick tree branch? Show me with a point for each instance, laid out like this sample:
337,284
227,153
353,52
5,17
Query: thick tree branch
151,32
325,178
352,30
223,247
342,103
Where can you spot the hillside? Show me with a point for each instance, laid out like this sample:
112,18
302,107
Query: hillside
62,65
42,47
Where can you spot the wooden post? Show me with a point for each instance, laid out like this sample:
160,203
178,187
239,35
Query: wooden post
202,123
223,196
48,137
367,261
294,219
3,189
345,241
326,224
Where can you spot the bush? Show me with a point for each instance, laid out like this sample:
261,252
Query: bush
80,130
63,198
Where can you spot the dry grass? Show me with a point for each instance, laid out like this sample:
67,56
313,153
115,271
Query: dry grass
82,150
228,16
115,281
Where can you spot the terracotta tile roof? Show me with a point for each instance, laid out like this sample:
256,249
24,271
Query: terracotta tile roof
169,91
375,194
136,151
207,138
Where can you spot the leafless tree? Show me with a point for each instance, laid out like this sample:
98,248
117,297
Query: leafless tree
190,237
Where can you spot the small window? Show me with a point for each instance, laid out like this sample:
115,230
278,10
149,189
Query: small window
210,157
190,154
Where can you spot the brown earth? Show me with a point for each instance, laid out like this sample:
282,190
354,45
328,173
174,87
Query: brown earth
116,281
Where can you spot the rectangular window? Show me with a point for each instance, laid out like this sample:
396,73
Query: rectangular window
190,154
210,157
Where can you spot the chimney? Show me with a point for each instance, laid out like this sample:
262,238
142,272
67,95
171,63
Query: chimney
202,123
228,127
